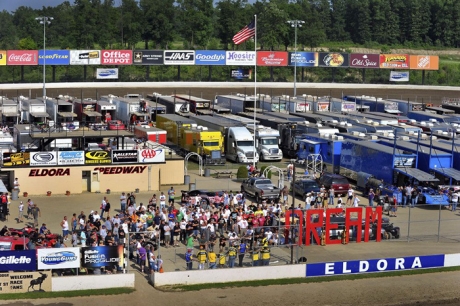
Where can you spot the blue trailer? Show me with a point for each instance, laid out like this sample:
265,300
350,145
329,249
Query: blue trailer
329,147
375,104
431,117
342,106
406,106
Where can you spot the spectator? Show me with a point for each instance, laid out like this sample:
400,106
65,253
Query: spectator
189,259
371,197
36,213
21,212
142,257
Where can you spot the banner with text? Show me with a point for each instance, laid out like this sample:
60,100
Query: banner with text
116,57
18,260
98,157
124,156
303,59
152,156
364,60
240,74
71,158
399,76
148,57
85,57
43,158
210,57
54,57
58,258
20,282
22,57
333,59
104,74
424,62
16,159
240,58
394,61
102,256
179,57
2,57
272,58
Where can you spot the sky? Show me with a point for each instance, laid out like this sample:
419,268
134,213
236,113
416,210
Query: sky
12,5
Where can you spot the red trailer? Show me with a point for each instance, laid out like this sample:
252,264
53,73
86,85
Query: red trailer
150,133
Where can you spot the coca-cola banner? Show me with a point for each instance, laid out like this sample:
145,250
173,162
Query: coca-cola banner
22,57
364,60
2,58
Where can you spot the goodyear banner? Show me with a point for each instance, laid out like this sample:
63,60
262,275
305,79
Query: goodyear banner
2,58
54,57
58,258
333,59
43,158
152,156
303,59
98,157
210,57
399,76
394,61
18,261
16,159
102,256
85,57
20,282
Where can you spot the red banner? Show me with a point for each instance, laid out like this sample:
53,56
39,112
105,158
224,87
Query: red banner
117,57
394,61
272,58
22,57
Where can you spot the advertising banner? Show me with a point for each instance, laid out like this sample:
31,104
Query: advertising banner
152,156
399,76
116,57
124,156
210,57
85,57
104,74
18,261
16,159
424,62
71,158
333,59
2,57
98,157
22,57
179,57
394,61
375,265
364,60
240,58
54,57
58,258
102,256
43,158
272,58
303,59
241,74
20,282
148,57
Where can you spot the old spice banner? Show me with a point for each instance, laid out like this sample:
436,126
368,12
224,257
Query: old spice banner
2,57
424,62
22,57
394,61
272,58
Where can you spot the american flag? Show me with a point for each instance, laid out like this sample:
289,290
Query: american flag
245,33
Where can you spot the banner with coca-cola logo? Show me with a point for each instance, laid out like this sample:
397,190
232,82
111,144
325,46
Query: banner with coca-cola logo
2,58
22,57
364,60
117,57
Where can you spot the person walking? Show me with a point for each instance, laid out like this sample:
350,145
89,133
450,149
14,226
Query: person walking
35,214
21,212
103,204
189,259
171,195
371,197
455,196
65,228
350,194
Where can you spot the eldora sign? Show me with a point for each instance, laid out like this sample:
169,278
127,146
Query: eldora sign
50,172
121,170
375,265
22,57
272,58
152,156
364,60
117,57
20,282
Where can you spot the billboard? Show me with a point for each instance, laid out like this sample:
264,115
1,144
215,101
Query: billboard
303,59
424,62
240,58
104,74
2,57
240,74
210,57
148,57
364,60
16,159
399,76
333,59
97,157
179,57
394,61
152,156
272,58
43,158
54,57
58,258
85,57
18,261
102,256
116,57
71,158
22,57
21,282
124,156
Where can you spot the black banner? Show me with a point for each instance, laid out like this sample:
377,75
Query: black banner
102,256
124,156
16,159
148,57
98,157
333,59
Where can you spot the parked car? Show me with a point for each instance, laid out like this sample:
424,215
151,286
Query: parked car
304,186
336,181
260,189
116,125
10,243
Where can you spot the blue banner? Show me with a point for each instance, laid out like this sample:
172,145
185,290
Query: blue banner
18,261
375,265
303,59
209,57
54,57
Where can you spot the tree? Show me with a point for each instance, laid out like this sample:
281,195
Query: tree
158,22
27,44
270,33
7,31
338,21
84,27
196,21
131,23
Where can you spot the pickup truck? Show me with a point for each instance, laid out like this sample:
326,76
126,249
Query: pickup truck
260,189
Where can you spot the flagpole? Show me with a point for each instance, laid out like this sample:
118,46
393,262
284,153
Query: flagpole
255,88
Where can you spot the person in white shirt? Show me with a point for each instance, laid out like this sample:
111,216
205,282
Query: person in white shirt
21,212
308,201
455,197
356,201
162,201
96,216
350,196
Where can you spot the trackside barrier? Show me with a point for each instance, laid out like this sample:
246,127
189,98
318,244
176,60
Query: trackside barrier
71,283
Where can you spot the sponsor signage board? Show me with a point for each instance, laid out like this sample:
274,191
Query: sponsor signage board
424,62
18,260
98,157
241,74
152,156
179,57
121,170
23,282
333,59
399,76
394,61
210,57
16,159
54,57
43,158
50,172
364,60
22,57
374,265
272,58
102,256
85,57
124,156
116,57
148,57
303,59
2,57
58,258
71,158
240,58
104,74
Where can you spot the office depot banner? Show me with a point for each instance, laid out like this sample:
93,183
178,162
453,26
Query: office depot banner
303,59
22,57
85,57
240,58
148,57
364,60
424,62
2,58
272,58
54,57
117,57
394,61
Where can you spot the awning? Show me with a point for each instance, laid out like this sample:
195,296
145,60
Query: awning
2,187
39,114
417,174
67,114
92,114
140,114
449,172
392,111
10,114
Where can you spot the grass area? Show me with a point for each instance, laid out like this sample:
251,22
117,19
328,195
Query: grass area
291,281
65,294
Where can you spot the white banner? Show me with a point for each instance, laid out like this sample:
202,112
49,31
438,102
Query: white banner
152,156
58,258
85,57
43,158
179,57
240,58
66,158
399,76
103,74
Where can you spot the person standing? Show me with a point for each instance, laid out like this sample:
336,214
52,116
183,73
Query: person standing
103,204
231,256
142,257
255,257
371,197
21,212
189,259
30,205
350,194
171,195
356,201
331,196
265,253
123,200
454,200
212,257
162,201
16,185
201,256
241,253
35,214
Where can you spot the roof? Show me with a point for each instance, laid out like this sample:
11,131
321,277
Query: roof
449,172
14,114
92,114
375,146
417,174
67,114
139,114
392,111
39,114
412,146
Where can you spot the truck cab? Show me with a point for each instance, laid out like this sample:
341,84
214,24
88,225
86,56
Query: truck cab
267,140
240,145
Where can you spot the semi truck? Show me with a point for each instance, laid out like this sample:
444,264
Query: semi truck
375,104
173,124
195,103
237,103
429,116
267,140
173,104
149,133
108,110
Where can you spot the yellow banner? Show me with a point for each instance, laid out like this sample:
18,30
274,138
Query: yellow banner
2,57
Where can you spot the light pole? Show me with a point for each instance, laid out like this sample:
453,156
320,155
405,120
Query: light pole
44,20
295,24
